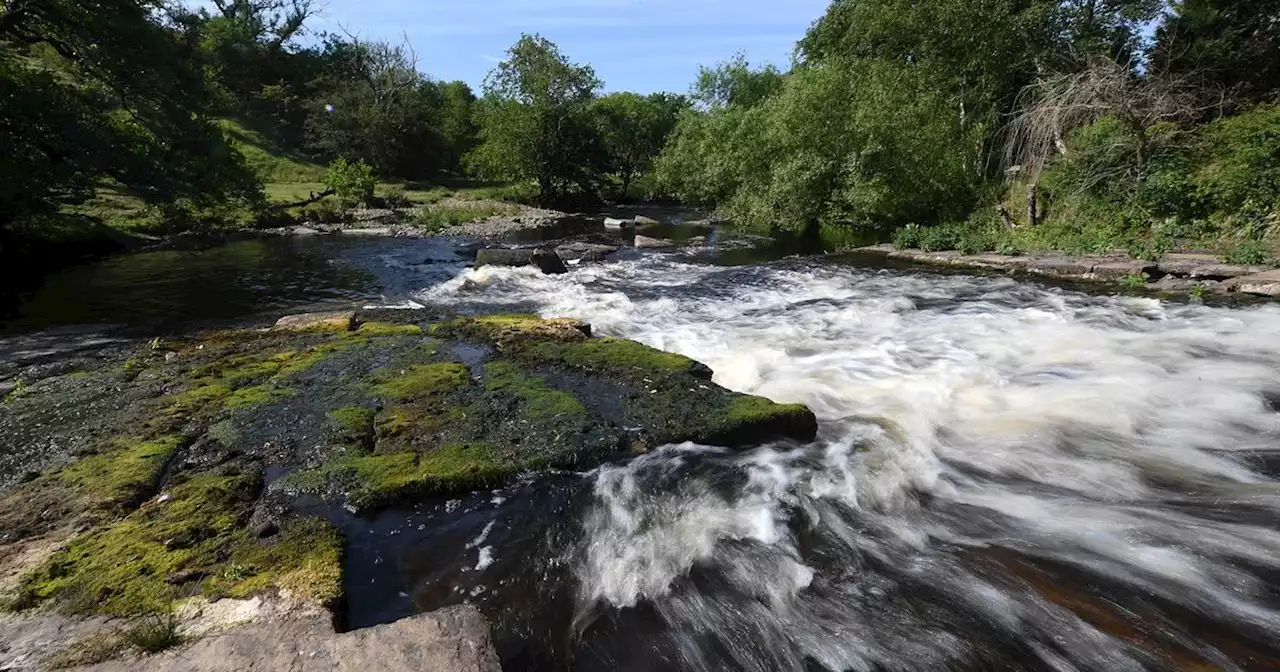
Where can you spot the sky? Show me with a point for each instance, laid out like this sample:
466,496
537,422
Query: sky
634,45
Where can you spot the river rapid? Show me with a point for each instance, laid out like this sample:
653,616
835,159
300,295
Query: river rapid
1007,476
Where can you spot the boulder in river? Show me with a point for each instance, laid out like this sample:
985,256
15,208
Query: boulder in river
544,258
585,251
615,224
647,221
173,454
643,242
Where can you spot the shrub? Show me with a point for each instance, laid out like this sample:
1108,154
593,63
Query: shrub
907,237
939,238
396,197
1135,281
1151,250
352,183
1248,253
327,211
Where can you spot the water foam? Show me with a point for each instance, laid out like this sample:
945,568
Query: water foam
963,419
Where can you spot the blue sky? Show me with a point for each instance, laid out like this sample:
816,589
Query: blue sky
634,45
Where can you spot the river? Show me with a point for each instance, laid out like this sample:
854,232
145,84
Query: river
1008,475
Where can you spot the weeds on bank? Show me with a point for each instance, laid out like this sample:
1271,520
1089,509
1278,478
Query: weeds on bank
153,634
439,217
1135,281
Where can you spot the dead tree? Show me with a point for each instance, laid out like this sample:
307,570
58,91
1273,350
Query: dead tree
1056,105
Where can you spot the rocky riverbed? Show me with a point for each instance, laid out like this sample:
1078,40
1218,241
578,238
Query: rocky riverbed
221,468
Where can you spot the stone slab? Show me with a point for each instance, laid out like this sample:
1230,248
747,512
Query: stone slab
456,639
344,320
1263,284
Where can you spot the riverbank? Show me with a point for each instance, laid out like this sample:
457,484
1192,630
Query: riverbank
1176,272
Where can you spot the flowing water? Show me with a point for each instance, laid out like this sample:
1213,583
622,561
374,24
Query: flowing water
1008,476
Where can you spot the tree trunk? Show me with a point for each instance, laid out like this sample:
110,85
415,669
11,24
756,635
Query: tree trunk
1033,211
1006,217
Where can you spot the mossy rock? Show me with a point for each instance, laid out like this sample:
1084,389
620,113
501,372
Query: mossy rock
379,480
375,416
190,542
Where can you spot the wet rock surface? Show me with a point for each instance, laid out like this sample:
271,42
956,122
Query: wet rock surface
210,466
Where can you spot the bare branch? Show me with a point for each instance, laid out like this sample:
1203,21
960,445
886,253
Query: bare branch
1049,110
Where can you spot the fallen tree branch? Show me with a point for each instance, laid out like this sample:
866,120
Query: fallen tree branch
304,202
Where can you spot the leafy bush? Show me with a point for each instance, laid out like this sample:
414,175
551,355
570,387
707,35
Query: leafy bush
1151,250
908,237
352,183
1242,170
1248,253
326,211
396,197
939,238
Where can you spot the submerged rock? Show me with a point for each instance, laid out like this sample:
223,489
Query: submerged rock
210,470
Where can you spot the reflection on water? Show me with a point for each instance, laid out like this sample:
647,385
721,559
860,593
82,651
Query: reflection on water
166,289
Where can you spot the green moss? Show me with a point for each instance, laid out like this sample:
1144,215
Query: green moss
125,474
195,542
354,418
748,409
606,354
355,425
374,329
749,419
122,569
202,396
540,400
503,329
305,559
258,395
564,341
372,481
421,380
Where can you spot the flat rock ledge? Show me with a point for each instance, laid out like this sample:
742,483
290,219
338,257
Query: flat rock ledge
456,639
1178,271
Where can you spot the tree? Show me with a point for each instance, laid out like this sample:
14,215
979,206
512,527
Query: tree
733,82
1234,44
457,120
375,106
94,90
1058,105
634,128
534,120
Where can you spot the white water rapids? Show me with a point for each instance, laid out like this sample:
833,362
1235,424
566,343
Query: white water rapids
1007,476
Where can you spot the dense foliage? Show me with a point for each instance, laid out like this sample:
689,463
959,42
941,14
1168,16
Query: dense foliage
1056,118
185,112
1064,123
